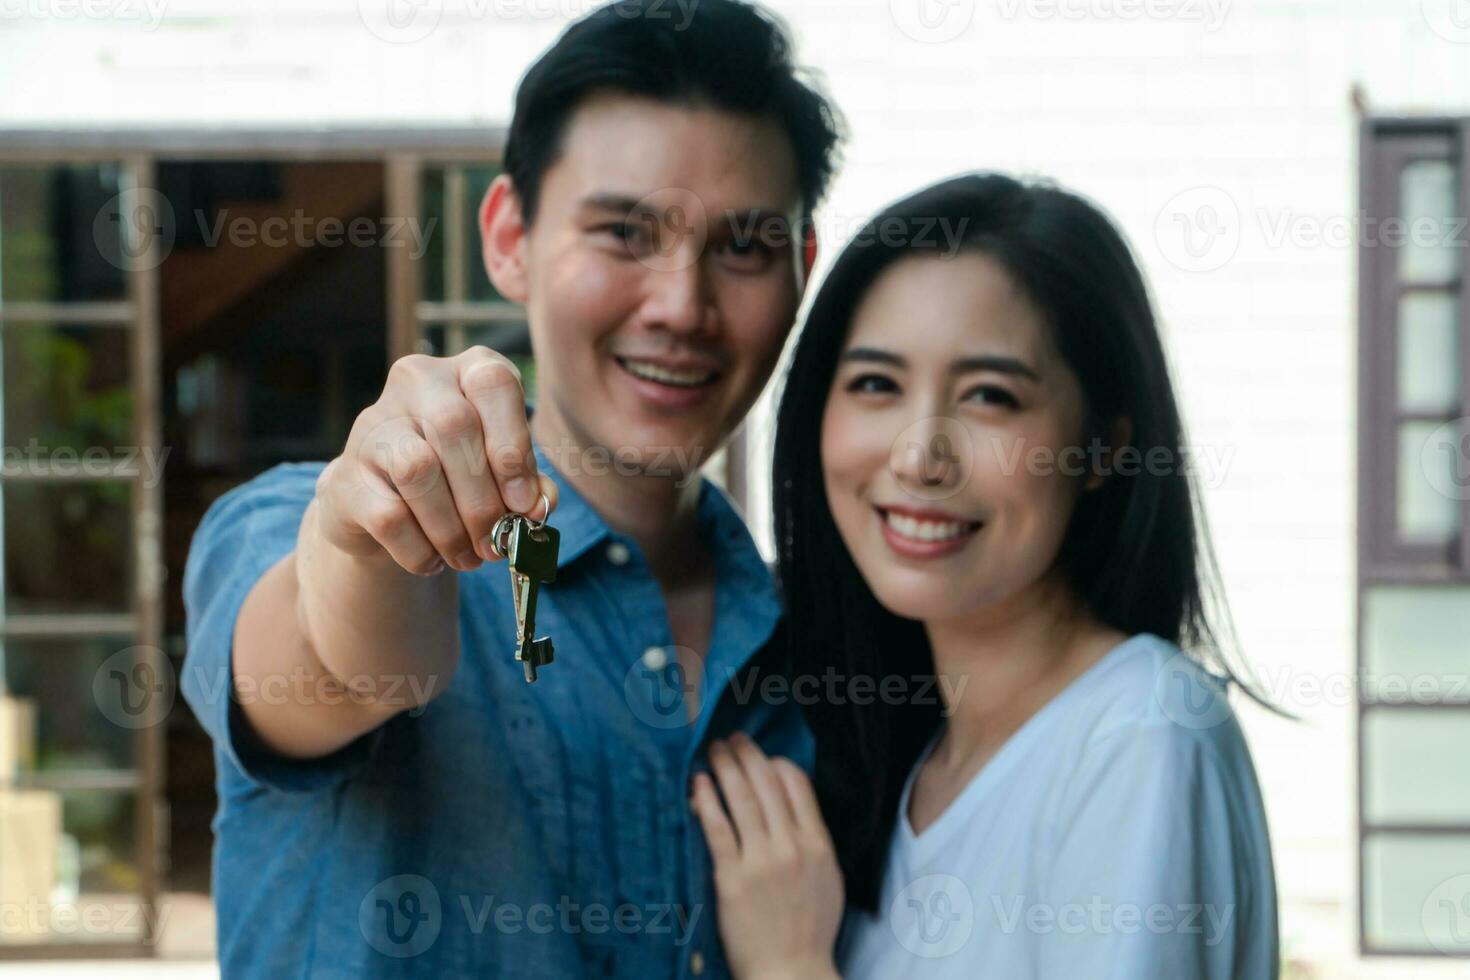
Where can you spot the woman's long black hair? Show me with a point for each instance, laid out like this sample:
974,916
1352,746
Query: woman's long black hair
1135,551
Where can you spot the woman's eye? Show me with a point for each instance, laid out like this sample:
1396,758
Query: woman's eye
990,394
871,384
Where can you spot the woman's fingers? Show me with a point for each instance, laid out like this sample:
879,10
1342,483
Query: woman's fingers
723,846
740,797
766,785
803,801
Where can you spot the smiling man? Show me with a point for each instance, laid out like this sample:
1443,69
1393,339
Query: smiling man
395,799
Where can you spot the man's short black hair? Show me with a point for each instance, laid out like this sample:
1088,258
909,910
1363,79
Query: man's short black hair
725,54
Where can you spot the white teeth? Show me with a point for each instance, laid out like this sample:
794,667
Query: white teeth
653,372
918,530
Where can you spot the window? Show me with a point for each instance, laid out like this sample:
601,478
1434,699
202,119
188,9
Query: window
1414,539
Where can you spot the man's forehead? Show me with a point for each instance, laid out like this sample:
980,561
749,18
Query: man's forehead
629,149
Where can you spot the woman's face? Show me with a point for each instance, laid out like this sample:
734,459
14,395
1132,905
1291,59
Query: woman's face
943,439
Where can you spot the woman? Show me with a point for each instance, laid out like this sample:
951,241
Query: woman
1001,503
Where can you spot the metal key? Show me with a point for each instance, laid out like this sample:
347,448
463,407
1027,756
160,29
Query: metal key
531,550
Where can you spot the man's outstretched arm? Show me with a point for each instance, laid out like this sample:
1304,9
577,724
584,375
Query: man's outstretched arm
359,622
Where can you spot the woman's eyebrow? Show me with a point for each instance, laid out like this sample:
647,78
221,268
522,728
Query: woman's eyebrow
995,362
872,354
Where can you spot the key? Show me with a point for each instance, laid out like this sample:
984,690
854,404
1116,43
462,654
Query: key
531,551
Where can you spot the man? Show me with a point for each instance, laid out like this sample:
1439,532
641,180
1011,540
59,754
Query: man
395,799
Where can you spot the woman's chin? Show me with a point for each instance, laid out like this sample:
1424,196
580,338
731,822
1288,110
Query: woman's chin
916,601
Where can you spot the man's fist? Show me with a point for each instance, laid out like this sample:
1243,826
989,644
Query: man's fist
430,466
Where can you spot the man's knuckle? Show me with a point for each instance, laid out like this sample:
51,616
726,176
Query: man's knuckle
490,375
452,420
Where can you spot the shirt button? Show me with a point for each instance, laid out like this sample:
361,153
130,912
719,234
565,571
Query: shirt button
696,963
655,658
617,553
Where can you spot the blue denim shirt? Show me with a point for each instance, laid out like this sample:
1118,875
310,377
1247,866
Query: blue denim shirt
507,829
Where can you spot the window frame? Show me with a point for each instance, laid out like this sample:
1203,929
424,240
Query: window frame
1385,145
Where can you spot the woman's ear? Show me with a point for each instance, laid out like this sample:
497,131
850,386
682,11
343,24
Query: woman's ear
1120,434
503,239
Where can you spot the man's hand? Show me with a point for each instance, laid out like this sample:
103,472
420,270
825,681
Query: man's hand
427,471
430,466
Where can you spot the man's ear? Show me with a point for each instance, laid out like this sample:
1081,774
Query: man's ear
503,239
808,249
1120,434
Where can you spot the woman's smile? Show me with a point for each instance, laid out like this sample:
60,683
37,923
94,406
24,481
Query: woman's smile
915,532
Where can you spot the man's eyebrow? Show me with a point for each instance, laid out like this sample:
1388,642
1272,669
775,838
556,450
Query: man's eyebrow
740,218
617,203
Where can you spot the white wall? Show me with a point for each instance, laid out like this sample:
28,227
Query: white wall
1248,101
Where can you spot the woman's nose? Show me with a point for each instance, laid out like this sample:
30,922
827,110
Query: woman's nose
930,456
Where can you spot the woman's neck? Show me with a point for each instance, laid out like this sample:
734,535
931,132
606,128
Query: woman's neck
1003,663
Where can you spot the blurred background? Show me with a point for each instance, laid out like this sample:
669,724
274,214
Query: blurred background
221,219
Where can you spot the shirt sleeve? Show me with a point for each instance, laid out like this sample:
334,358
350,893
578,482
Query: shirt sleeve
1158,871
243,534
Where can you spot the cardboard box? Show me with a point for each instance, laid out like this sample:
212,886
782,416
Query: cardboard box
17,737
30,830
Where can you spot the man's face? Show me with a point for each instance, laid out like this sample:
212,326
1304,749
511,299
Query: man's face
660,277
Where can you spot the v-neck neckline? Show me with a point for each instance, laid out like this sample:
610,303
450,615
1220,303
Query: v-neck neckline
998,762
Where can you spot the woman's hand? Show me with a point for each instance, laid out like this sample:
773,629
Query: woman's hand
780,890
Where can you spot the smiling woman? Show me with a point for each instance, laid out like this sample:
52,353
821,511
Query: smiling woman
1092,761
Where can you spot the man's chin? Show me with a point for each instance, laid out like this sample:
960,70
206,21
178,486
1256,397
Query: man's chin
676,449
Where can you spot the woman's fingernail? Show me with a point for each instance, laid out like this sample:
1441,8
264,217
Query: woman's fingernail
436,568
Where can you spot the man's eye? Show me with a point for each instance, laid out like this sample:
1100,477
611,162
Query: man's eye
746,246
990,394
628,232
871,384
747,252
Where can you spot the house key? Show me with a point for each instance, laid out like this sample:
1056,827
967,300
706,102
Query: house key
531,550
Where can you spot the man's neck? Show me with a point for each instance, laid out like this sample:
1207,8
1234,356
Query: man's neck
660,512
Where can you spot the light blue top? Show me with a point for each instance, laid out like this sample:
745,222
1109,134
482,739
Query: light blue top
1118,834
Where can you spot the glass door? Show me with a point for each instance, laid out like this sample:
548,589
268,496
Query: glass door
84,687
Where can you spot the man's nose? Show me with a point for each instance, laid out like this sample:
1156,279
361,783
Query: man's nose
679,299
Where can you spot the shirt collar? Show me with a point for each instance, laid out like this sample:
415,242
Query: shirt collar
581,528
738,561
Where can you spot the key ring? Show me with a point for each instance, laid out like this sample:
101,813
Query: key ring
501,530
545,513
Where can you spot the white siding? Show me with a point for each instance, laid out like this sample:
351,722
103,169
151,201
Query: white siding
1250,100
